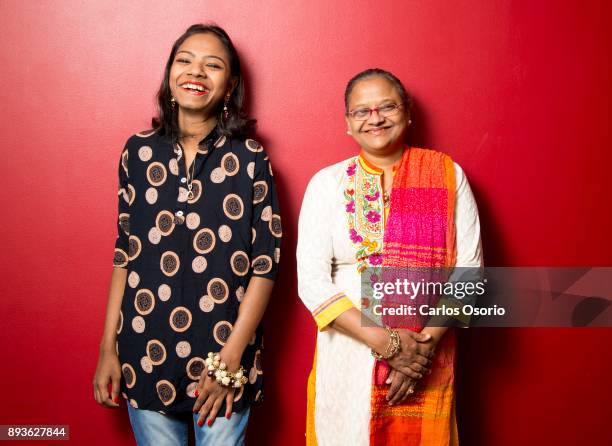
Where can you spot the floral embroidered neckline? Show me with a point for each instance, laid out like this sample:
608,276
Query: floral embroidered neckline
364,209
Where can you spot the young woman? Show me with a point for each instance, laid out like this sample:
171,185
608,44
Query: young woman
393,206
195,257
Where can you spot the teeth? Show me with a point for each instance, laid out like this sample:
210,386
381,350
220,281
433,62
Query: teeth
193,86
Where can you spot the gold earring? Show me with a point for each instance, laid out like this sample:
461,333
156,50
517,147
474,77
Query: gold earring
225,110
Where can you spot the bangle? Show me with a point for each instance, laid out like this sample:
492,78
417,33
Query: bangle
393,347
218,370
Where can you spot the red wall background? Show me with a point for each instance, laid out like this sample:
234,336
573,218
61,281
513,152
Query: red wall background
517,92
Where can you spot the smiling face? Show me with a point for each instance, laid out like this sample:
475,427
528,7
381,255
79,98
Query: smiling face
377,134
200,74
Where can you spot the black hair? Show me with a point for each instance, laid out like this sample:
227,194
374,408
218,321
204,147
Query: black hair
378,72
238,124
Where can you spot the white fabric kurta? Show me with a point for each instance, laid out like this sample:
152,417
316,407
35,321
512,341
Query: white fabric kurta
327,266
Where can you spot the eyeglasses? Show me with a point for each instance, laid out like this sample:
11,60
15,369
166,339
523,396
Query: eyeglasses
362,114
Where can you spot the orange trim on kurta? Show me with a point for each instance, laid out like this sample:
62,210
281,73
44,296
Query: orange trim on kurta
311,435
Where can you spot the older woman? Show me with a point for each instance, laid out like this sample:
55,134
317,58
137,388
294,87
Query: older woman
195,257
392,206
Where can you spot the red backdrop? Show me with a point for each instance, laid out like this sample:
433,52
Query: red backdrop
517,92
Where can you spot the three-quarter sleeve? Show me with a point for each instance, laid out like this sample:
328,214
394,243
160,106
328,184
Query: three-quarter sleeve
266,223
467,224
124,195
315,254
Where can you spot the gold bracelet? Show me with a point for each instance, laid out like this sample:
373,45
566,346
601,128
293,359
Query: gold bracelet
393,347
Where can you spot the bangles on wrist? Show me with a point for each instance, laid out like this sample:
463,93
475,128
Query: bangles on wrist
217,369
393,347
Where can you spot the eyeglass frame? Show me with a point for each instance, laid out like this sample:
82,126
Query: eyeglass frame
376,109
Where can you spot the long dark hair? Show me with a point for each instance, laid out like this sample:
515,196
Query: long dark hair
378,72
238,124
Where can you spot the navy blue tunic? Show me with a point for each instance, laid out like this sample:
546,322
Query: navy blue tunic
189,259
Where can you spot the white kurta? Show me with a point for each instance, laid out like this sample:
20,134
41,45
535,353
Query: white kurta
326,267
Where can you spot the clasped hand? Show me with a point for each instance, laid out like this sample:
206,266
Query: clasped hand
409,365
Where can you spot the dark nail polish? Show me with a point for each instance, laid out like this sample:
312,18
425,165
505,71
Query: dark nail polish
116,399
201,423
228,416
210,422
197,393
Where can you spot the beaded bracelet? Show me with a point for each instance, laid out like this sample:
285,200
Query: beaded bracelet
218,370
393,347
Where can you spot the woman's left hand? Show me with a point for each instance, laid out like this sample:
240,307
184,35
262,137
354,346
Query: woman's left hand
210,396
402,386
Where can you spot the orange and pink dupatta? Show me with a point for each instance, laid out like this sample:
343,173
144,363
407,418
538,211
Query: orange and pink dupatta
420,232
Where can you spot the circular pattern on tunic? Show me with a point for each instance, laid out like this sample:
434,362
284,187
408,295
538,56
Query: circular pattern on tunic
277,255
121,258
225,233
217,175
240,263
124,223
156,173
204,241
199,264
134,247
120,322
222,331
124,161
151,195
233,207
164,292
138,324
144,301
146,364
183,195
191,388
260,190
230,164
133,279
251,170
196,189
165,391
195,367
183,349
220,141
180,319
253,145
270,169
253,235
238,394
218,290
130,194
257,362
164,222
156,352
259,396
192,220
240,293
129,376
275,226
262,264
145,133
155,235
207,304
169,263
266,213
173,166
145,153
252,375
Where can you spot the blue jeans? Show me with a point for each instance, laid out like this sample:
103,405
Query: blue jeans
156,429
